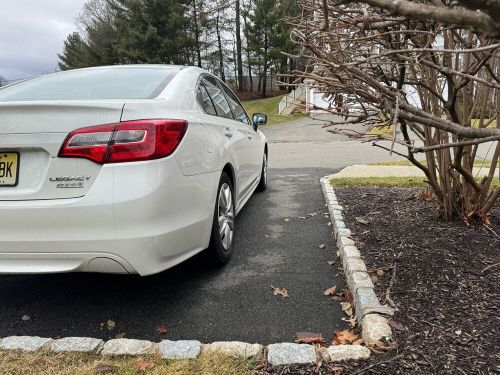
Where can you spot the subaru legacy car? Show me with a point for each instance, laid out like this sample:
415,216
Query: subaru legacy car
123,169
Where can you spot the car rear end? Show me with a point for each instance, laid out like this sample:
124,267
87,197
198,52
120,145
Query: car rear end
81,189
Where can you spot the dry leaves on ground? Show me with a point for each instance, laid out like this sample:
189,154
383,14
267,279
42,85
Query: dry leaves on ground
161,330
345,337
310,338
280,291
330,291
144,365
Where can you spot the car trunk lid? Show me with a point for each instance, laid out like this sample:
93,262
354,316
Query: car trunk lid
31,134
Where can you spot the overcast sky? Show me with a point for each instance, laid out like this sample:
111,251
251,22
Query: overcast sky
32,33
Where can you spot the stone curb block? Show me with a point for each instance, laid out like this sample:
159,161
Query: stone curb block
76,344
344,352
374,326
128,347
289,353
182,349
237,348
375,329
24,343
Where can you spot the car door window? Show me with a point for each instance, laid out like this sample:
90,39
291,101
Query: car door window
218,97
204,100
236,107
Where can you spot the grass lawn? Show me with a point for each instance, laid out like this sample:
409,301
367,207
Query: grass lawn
269,106
387,182
14,363
477,163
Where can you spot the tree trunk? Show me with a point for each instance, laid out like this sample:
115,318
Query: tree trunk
239,62
264,68
219,43
197,33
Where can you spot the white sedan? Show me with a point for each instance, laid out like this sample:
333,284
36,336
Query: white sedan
123,169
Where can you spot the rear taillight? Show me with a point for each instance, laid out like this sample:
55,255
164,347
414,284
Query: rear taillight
126,141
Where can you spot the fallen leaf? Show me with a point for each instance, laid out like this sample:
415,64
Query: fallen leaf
352,321
120,335
375,279
25,318
322,246
458,332
362,221
104,368
280,291
331,262
161,330
330,291
110,324
358,342
344,337
144,365
397,326
380,273
310,338
346,306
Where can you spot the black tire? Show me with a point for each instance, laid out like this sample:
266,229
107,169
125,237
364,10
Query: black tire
217,248
263,175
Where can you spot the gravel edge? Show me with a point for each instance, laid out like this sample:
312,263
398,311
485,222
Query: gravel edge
370,313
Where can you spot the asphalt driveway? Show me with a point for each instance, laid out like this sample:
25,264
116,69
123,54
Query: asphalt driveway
274,246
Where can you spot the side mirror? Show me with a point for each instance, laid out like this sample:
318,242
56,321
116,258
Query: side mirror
259,119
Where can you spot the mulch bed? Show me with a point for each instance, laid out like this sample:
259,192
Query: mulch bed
446,285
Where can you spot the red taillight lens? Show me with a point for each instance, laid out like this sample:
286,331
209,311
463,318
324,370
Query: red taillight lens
126,141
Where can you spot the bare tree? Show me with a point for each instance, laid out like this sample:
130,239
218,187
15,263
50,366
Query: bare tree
430,70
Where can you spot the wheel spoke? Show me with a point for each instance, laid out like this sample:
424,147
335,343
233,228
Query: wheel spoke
226,216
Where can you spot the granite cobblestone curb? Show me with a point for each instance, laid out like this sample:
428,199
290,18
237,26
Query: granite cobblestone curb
370,313
285,353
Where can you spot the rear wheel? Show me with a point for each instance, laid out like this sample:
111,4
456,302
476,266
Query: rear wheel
263,175
221,240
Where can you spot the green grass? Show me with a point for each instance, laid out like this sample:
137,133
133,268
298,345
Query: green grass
17,363
380,181
477,163
387,182
269,106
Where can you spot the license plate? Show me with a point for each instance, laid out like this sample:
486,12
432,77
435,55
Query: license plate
9,168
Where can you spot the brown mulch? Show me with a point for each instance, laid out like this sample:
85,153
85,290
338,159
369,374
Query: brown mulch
446,285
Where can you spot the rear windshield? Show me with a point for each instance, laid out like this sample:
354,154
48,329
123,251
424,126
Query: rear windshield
92,84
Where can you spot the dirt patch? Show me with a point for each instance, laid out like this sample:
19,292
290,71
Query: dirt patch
448,298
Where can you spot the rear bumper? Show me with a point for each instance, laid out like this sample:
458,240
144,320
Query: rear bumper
137,218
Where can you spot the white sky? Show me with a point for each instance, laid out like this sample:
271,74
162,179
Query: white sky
32,33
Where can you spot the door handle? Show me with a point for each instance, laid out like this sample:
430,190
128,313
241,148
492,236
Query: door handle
228,133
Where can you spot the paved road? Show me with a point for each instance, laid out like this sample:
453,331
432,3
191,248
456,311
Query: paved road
196,301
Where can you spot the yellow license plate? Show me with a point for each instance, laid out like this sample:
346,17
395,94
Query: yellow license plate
9,168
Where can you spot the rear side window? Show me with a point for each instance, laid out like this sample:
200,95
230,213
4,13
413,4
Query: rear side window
236,107
204,100
93,84
218,97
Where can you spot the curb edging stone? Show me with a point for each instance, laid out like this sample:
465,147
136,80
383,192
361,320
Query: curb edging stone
370,313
